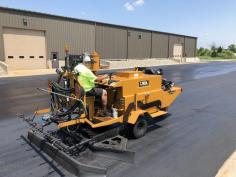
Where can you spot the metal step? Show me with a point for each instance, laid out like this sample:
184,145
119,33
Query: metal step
157,114
114,148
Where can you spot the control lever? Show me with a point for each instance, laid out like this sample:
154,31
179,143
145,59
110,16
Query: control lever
109,79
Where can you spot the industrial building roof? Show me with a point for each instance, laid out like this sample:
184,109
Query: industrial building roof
85,21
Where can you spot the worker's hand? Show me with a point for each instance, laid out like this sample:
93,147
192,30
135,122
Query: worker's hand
106,76
100,78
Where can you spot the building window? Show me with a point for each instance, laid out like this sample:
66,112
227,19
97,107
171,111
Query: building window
41,57
140,36
11,57
25,23
31,56
54,56
21,57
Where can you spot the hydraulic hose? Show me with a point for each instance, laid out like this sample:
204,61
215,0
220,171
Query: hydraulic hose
61,89
55,100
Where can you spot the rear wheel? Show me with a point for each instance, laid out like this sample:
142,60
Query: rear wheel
139,129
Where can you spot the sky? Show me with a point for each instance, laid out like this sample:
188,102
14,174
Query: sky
212,21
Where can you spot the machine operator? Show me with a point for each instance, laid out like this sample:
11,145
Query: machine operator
87,80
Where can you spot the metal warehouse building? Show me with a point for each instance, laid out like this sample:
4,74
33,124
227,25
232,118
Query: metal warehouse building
32,40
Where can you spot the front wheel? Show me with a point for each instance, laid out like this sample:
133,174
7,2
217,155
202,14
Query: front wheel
139,129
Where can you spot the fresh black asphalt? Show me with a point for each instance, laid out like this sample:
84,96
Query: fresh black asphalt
193,141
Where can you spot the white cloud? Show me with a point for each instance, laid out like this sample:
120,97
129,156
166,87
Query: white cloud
138,2
129,6
132,6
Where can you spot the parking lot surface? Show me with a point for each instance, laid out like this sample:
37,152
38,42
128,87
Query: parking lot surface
193,141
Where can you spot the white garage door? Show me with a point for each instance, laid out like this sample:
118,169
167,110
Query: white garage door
177,51
24,49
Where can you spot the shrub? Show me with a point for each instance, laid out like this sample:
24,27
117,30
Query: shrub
217,52
226,54
207,52
200,51
203,52
232,48
214,53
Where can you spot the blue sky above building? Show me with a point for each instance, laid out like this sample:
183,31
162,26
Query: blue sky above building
212,21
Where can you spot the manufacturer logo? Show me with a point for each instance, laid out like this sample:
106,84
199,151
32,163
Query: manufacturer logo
143,83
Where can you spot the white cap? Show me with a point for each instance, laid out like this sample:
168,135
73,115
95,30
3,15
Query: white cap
87,58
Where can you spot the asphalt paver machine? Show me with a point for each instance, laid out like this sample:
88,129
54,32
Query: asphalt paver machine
71,125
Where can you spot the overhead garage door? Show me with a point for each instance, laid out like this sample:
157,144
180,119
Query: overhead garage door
177,51
24,49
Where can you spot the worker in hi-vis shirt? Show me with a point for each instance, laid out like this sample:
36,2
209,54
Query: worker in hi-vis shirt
87,80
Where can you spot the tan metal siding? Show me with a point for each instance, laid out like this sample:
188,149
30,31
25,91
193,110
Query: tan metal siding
139,48
174,40
159,45
79,36
190,47
1,45
111,43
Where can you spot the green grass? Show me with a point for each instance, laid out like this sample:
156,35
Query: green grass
209,58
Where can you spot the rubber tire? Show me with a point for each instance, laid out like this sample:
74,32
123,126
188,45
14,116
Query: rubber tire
139,129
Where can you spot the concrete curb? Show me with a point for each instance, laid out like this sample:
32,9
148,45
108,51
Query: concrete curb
20,73
3,68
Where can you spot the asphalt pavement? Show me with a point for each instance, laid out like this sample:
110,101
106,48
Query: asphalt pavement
193,141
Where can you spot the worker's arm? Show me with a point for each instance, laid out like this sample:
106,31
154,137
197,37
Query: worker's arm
101,77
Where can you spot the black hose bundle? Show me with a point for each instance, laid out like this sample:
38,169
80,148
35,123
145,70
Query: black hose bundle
167,85
59,106
60,89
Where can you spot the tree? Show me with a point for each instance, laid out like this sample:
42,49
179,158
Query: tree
232,48
214,53
200,51
226,54
213,47
219,49
203,52
207,52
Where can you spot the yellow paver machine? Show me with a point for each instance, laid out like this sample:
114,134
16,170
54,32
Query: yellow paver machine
72,124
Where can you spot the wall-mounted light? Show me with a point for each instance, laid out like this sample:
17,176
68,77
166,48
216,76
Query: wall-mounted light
140,36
